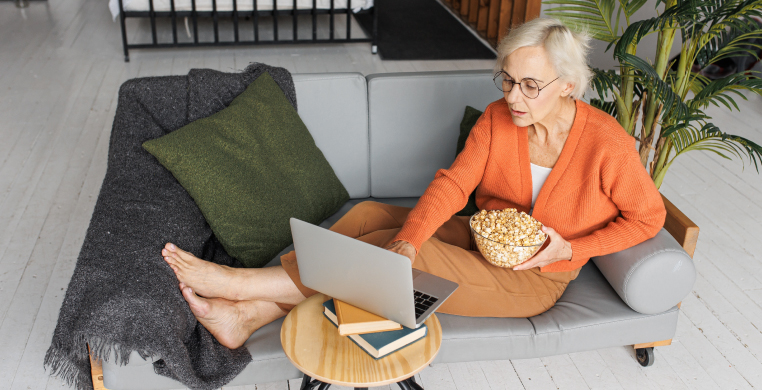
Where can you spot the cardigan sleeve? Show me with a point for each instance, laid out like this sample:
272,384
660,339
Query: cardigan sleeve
641,209
450,189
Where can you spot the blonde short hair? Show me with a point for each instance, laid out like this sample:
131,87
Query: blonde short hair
567,49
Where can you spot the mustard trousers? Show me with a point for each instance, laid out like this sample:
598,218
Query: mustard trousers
484,290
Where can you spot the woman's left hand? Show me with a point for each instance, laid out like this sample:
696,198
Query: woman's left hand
558,249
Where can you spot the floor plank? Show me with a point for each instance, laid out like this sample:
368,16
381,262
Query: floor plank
533,374
594,370
629,374
501,375
468,376
710,359
438,376
563,372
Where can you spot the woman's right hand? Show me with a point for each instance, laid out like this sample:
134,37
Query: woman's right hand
403,248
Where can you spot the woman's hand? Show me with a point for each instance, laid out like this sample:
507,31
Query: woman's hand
403,248
557,249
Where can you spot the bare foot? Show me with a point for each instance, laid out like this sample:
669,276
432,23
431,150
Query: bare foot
209,280
231,323
206,278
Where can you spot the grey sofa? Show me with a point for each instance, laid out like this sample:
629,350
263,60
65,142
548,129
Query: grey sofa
385,136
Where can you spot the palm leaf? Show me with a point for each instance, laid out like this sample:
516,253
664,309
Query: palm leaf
710,138
691,138
697,82
631,7
673,103
722,42
679,14
594,16
605,82
732,15
742,45
685,122
718,91
607,107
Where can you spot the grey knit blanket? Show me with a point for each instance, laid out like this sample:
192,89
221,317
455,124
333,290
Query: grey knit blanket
122,296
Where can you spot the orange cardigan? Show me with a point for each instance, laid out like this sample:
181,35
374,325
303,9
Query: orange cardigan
598,195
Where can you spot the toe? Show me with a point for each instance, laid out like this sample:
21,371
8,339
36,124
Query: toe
185,256
174,254
175,258
199,306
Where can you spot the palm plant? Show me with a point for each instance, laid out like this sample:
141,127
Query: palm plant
672,122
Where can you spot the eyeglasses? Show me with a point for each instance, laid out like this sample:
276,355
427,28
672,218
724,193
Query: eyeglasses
528,87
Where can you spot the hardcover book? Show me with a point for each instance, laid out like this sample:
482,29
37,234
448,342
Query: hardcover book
353,320
380,344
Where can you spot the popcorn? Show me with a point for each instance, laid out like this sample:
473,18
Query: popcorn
507,237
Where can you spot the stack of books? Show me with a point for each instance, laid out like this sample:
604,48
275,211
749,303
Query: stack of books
376,335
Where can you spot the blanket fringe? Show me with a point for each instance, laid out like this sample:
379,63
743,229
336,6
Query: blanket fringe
64,359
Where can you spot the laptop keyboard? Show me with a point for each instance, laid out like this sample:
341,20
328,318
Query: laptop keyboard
423,302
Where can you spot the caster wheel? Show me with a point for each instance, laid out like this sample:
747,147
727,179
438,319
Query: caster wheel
645,356
374,49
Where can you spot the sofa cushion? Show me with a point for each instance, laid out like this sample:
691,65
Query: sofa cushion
414,120
334,107
650,277
249,168
589,315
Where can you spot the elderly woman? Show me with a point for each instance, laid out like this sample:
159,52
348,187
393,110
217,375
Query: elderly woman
540,150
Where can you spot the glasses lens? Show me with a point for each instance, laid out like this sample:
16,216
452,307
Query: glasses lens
530,88
498,81
502,82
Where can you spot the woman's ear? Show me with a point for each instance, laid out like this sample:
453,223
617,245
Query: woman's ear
568,89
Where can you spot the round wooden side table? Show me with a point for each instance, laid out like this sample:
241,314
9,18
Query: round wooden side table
314,346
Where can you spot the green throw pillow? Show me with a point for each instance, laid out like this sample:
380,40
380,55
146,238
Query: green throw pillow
469,120
250,167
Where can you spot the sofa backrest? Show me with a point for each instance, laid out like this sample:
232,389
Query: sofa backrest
386,135
414,125
334,107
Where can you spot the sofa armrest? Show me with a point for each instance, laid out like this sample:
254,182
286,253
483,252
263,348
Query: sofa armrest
650,277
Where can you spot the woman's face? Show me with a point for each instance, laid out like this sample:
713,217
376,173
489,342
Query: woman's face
532,62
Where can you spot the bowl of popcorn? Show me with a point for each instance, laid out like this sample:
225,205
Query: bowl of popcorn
507,238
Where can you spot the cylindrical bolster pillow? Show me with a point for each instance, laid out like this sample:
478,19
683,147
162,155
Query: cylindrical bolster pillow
650,277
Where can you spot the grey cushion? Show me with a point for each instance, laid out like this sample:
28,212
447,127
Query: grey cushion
650,277
588,316
334,107
414,125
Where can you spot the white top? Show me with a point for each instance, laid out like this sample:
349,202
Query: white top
539,175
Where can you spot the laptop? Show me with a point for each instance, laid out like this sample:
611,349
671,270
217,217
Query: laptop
363,275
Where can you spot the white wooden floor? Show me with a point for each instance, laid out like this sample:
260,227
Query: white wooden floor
61,67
